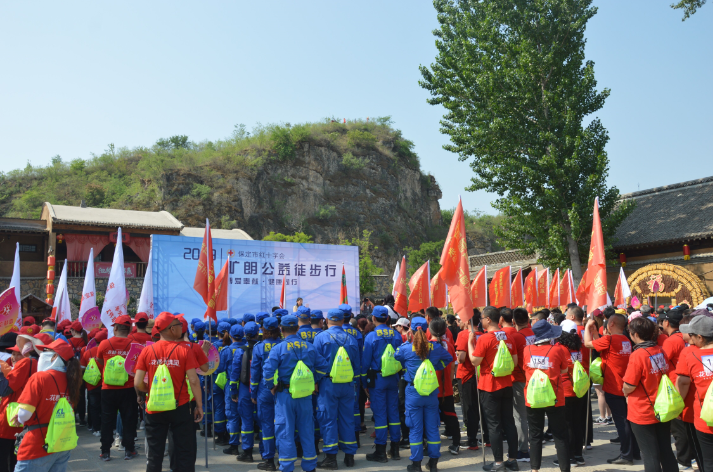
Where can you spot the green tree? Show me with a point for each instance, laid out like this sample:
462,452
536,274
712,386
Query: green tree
516,89
689,7
367,268
298,237
428,251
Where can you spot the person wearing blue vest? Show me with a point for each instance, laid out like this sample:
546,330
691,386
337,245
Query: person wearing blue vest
356,334
335,401
293,413
259,319
261,395
248,317
383,391
422,411
303,315
231,407
232,321
220,429
193,336
240,387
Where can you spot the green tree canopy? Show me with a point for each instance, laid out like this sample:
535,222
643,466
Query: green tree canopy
689,7
298,237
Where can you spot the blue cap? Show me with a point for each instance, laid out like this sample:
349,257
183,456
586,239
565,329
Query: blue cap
381,313
652,319
248,317
213,326
543,331
316,315
223,320
419,322
280,312
303,313
238,319
347,309
251,329
270,323
236,331
223,327
335,314
232,321
289,320
199,326
260,316
195,320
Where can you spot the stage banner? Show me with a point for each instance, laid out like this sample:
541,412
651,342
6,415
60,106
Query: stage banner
311,271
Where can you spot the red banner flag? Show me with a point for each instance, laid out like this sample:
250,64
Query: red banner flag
531,290
420,289
479,288
581,293
204,282
566,294
282,294
400,294
597,278
555,290
516,291
455,268
343,299
438,291
542,286
500,288
220,299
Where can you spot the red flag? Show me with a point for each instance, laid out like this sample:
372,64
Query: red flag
479,288
581,293
516,291
282,294
204,282
420,289
438,291
542,286
220,297
400,294
343,290
500,288
566,289
555,290
455,268
597,279
531,290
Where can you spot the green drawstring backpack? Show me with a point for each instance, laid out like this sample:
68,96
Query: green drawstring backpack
61,431
503,364
342,371
162,397
12,409
301,380
114,371
389,365
540,393
92,374
221,379
425,380
580,380
669,403
595,371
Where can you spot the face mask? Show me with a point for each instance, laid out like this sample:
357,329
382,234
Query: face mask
45,361
58,365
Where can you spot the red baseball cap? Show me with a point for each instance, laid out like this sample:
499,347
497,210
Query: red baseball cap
63,324
141,317
184,323
14,348
77,326
93,333
31,330
28,320
102,335
44,338
164,320
61,347
122,320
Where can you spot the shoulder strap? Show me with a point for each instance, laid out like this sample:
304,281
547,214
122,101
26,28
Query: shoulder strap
644,388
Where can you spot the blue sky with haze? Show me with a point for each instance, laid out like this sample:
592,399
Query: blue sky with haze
79,75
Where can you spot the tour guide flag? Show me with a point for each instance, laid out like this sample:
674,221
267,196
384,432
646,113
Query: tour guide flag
400,294
542,287
455,267
220,296
146,299
89,314
555,290
438,291
283,301
516,291
61,310
15,282
597,267
566,292
115,299
343,299
204,282
9,310
395,278
622,290
420,286
479,288
500,288
581,294
531,290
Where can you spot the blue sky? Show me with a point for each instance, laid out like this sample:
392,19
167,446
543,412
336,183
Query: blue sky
79,75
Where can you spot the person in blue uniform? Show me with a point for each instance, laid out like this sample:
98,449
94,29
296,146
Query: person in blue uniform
240,390
231,407
261,394
220,427
259,318
248,317
304,323
316,318
335,400
292,413
193,336
383,391
422,411
356,334
232,321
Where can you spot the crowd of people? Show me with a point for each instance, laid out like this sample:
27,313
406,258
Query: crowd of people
288,383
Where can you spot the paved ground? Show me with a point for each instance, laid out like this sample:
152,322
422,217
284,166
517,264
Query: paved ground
86,457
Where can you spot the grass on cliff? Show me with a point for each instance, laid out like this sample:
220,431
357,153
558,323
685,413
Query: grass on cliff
131,178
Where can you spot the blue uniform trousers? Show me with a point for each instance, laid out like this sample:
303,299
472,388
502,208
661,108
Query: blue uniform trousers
357,412
207,404
335,403
219,419
423,419
248,417
266,415
231,412
317,434
385,405
290,415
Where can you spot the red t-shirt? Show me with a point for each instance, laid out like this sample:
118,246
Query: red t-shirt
465,371
177,358
197,350
140,338
486,347
114,347
84,361
519,340
661,339
572,356
17,380
529,335
448,335
615,351
77,344
40,395
445,376
552,360
673,346
688,411
645,369
691,364
585,349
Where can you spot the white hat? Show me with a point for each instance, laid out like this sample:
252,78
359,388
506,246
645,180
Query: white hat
403,322
568,325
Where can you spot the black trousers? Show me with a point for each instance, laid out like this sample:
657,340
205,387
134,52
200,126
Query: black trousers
655,442
497,410
628,447
82,404
402,408
449,417
557,422
94,398
124,401
184,439
470,404
684,448
706,442
575,415
695,445
8,459
590,423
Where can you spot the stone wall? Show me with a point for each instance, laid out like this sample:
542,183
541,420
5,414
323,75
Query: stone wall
383,287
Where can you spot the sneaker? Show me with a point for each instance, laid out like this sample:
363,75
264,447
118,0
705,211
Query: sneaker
96,433
610,420
128,455
523,456
600,420
616,440
105,457
372,435
142,425
480,443
121,447
548,437
589,447
619,460
579,460
453,449
511,464
494,467
117,441
571,461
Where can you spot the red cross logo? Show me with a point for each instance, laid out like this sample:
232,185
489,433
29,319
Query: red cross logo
231,253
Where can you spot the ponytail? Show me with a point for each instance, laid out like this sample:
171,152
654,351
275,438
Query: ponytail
85,338
74,380
420,344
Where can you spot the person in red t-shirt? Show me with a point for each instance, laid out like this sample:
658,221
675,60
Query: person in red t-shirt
576,314
117,397
688,410
518,379
552,360
615,350
59,375
575,408
647,365
94,392
496,396
141,336
182,365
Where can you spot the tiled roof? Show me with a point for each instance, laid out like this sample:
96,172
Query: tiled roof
19,225
76,215
678,212
498,260
216,233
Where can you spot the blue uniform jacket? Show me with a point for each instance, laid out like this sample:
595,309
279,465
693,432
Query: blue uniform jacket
308,333
260,353
327,344
438,355
236,368
375,344
226,359
284,356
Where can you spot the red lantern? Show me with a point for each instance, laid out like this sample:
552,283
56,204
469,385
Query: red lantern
49,301
51,261
50,273
60,238
622,259
686,253
50,289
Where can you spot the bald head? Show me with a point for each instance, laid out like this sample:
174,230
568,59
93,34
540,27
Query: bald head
617,323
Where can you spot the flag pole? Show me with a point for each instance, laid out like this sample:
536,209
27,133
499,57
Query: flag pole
209,257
